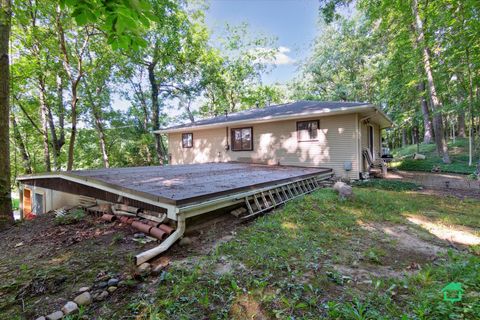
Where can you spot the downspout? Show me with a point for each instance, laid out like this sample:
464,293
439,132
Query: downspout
167,243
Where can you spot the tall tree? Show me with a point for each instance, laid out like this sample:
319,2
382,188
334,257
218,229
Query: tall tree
441,143
5,200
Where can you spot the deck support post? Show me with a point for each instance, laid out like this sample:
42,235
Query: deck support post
167,243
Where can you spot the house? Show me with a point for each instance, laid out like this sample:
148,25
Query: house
222,163
302,133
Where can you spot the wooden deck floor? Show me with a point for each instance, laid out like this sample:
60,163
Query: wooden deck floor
183,184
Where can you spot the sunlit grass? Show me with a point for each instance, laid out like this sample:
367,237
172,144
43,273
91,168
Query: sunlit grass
285,258
458,152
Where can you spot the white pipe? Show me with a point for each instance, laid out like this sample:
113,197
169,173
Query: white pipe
167,243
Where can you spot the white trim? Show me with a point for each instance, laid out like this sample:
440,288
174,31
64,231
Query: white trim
319,113
171,212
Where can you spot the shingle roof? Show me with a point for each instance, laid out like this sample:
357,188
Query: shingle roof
287,109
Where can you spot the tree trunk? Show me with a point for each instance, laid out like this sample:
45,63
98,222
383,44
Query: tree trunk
58,141
440,141
97,115
6,216
427,123
43,116
101,138
404,137
21,145
461,124
471,139
189,111
73,131
159,147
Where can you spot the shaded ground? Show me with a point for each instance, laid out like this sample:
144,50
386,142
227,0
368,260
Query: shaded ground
43,264
443,181
381,255
458,152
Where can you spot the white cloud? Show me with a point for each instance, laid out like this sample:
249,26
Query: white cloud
282,57
279,57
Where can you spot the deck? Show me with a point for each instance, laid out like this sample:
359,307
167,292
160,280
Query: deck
184,184
179,192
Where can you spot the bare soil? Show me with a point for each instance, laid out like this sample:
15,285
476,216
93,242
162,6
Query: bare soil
43,264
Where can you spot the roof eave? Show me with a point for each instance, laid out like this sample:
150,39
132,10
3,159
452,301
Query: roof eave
320,113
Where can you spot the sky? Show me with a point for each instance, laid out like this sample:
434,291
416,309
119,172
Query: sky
292,22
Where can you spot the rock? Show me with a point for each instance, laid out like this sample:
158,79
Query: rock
139,235
344,190
102,276
84,289
185,241
159,265
41,318
144,268
70,307
113,282
111,289
83,299
102,284
418,156
238,212
101,296
57,315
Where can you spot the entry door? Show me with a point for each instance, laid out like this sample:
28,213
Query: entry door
27,201
38,203
370,140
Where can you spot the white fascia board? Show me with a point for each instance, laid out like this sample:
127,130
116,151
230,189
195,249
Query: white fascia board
319,113
171,209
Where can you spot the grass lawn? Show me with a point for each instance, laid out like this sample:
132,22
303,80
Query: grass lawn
370,257
458,154
322,258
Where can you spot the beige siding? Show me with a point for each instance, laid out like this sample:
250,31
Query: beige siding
276,142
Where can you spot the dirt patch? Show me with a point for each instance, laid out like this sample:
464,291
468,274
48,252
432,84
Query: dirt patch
42,264
246,307
436,180
457,193
459,235
406,239
386,251
365,274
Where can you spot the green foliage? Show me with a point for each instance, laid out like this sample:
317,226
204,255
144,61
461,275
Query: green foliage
343,64
281,265
458,156
391,185
71,217
122,21
15,204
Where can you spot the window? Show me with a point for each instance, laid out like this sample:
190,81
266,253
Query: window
242,139
187,140
307,130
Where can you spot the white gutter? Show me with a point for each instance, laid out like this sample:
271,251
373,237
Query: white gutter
323,112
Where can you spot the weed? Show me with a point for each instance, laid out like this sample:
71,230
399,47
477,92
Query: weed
375,255
71,217
117,238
